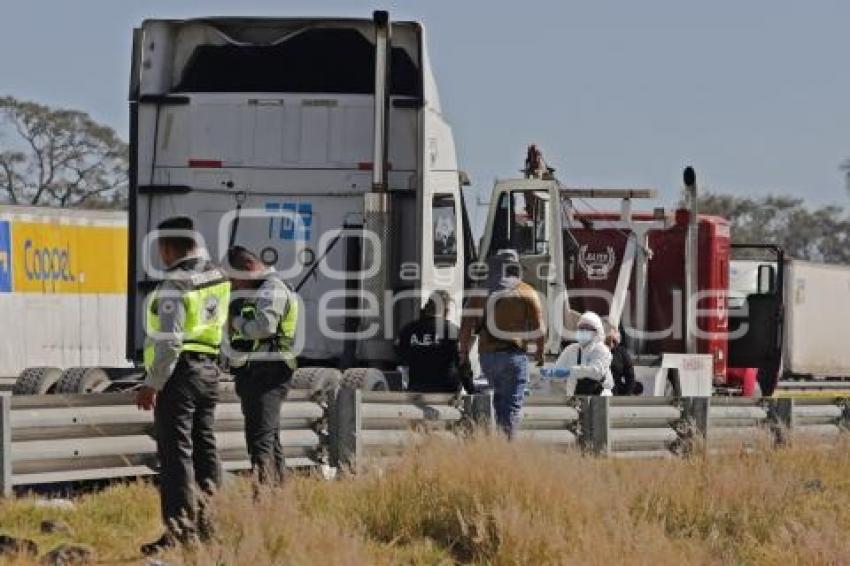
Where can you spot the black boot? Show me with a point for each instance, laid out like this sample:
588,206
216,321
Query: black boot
163,543
206,529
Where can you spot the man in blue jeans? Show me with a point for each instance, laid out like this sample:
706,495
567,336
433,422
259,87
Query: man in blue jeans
507,316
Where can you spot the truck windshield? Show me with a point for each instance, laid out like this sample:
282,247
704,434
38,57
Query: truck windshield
520,223
339,61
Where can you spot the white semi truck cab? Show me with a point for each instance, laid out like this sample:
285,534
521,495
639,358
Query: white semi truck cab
321,145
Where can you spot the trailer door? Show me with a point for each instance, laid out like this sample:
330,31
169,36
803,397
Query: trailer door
755,314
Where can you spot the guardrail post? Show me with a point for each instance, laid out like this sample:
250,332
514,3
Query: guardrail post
695,415
345,427
479,409
595,425
781,413
844,423
5,445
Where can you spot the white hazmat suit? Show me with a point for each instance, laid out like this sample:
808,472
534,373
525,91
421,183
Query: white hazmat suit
595,361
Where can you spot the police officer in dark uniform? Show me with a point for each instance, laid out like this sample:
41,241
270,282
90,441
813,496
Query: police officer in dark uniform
262,334
428,347
185,316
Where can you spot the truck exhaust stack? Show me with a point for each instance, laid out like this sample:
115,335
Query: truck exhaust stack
377,206
383,56
691,260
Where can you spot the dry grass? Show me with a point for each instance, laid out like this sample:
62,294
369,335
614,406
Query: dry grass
488,501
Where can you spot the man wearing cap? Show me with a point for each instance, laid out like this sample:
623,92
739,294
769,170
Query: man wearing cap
262,335
428,347
184,326
506,316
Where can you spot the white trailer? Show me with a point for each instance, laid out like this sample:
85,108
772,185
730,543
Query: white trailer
62,292
816,299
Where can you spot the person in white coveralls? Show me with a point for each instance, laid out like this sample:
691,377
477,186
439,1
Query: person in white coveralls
588,360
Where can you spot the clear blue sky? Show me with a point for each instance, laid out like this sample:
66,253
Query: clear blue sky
753,93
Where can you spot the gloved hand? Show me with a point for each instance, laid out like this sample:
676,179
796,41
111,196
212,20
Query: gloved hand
555,373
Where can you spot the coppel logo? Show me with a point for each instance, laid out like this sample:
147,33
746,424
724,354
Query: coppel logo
47,264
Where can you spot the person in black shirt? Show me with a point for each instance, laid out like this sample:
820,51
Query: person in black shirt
622,366
428,347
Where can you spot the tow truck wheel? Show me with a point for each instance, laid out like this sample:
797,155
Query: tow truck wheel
36,381
82,380
316,380
365,379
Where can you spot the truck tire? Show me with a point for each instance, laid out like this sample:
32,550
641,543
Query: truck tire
365,379
316,380
36,381
82,380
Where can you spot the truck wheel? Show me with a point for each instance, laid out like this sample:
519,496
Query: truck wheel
316,380
82,380
365,379
36,381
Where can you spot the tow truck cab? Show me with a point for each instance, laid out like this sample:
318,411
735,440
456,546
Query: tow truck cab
629,267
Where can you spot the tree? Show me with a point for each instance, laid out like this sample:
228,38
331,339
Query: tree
59,157
817,234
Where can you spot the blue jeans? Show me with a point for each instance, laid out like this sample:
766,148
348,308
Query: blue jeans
507,374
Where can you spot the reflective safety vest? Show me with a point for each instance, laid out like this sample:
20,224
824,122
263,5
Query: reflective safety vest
284,337
205,297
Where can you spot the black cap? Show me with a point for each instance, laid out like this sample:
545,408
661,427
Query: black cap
238,256
176,223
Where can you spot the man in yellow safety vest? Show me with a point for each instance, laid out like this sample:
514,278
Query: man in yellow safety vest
185,317
262,333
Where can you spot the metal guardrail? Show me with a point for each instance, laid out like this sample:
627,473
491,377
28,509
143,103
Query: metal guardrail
814,385
369,425
61,438
381,424
65,438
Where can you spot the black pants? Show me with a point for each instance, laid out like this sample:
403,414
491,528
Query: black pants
262,388
184,419
587,386
623,388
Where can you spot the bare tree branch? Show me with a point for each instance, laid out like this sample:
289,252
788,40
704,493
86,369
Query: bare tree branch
10,176
64,157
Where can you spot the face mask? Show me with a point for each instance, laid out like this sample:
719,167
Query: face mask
583,336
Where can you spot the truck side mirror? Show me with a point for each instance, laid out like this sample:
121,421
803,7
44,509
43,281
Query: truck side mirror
766,280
